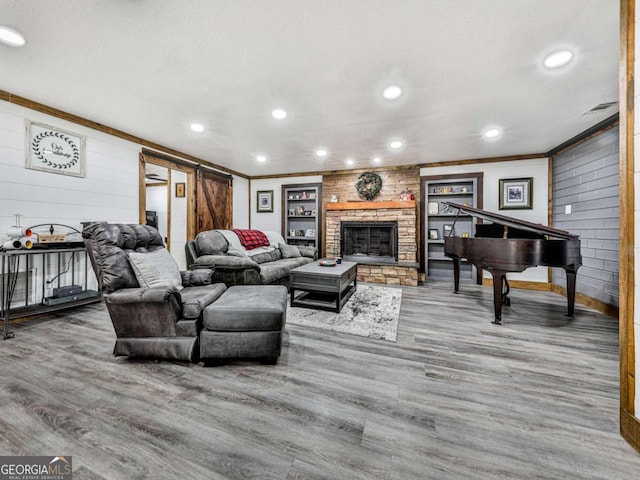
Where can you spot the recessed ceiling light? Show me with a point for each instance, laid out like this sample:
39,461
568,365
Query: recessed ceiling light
377,159
197,127
321,152
261,158
395,144
279,114
349,161
492,133
392,92
558,59
11,37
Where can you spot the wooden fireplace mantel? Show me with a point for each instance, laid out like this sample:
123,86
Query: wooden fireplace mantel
369,205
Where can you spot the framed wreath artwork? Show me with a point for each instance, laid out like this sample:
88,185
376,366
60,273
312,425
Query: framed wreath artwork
51,149
369,185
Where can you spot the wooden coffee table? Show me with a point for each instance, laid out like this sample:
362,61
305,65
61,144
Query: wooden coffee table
325,288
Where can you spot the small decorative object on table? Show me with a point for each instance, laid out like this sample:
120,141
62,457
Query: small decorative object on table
325,262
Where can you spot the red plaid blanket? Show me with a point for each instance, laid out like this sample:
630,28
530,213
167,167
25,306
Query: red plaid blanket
251,239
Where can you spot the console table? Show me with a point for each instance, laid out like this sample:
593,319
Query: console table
28,279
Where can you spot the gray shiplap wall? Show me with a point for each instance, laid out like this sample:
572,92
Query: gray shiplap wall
587,178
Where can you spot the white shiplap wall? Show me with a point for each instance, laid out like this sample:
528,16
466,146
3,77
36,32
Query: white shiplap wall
109,191
240,202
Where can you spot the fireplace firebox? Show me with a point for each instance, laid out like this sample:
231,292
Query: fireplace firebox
369,242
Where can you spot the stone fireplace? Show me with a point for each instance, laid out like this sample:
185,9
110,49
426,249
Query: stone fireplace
384,234
369,242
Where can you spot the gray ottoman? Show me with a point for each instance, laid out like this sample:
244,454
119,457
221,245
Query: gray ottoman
245,322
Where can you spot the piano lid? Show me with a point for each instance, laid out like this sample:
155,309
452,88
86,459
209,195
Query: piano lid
514,222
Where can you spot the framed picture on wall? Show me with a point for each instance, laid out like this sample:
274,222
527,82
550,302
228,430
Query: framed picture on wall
54,150
180,189
516,193
265,201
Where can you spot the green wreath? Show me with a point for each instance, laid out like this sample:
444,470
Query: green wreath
369,185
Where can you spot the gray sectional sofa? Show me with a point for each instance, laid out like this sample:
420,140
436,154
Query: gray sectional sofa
234,265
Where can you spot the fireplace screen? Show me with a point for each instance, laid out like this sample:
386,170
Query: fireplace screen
369,242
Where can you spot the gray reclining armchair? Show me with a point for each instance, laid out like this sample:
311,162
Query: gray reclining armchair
156,310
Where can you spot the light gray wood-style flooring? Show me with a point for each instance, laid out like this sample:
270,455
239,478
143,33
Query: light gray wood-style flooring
455,398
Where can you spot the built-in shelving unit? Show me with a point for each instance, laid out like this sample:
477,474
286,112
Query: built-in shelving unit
440,220
301,214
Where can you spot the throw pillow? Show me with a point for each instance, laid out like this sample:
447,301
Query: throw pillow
156,268
289,251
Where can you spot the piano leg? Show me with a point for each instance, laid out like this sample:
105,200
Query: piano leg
498,276
456,274
505,291
571,289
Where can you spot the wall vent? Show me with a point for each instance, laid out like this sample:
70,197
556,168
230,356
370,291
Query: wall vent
600,108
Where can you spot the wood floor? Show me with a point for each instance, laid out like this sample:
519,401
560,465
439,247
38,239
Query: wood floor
455,398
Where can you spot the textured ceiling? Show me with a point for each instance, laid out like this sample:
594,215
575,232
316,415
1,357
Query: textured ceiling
151,68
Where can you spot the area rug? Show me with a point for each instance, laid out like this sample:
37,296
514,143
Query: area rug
372,311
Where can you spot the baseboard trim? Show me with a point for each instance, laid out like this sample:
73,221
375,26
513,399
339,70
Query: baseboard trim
630,429
609,310
521,284
605,308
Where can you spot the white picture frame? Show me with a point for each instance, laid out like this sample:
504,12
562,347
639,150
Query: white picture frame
54,150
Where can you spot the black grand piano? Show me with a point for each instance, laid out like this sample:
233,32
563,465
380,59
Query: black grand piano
512,245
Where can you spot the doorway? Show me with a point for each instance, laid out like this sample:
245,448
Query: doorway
167,202
214,205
